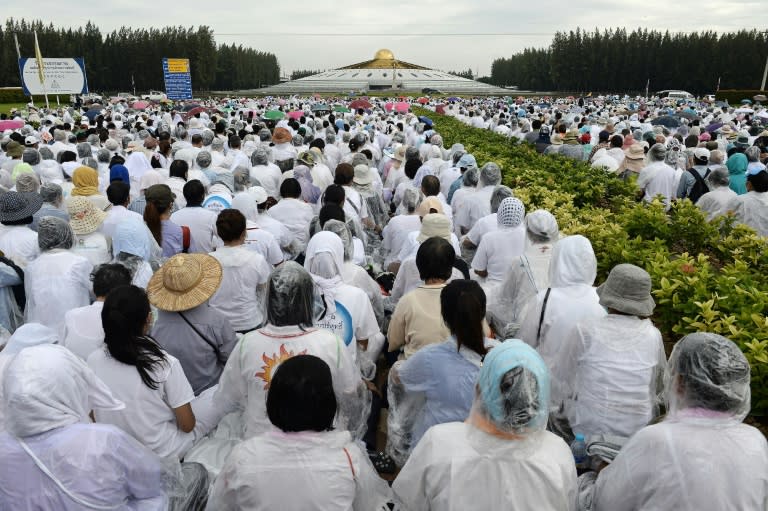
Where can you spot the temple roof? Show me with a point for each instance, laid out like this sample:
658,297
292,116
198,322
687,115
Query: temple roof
384,59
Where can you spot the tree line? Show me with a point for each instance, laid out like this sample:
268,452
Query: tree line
118,60
614,60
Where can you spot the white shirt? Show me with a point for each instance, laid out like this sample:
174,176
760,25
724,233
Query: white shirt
19,244
658,179
456,466
82,333
115,215
202,228
263,242
269,176
176,184
281,233
95,247
56,282
246,377
474,207
353,318
483,226
296,216
395,234
148,415
240,297
497,251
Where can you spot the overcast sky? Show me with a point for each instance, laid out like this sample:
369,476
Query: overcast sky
282,27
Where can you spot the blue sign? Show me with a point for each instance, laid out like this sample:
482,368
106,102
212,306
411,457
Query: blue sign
178,80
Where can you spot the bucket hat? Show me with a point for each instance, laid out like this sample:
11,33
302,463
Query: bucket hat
627,290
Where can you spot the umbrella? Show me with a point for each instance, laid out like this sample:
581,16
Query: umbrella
93,113
193,112
666,121
389,106
714,126
11,125
296,114
360,103
274,115
453,98
440,109
426,120
189,106
687,114
746,101
423,101
140,105
321,108
341,109
760,97
744,110
402,107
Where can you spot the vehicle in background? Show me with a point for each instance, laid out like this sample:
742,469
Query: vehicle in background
154,95
127,96
675,95
91,97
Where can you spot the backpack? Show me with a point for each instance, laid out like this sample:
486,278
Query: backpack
699,187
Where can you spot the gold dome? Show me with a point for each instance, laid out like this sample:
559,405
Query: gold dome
384,54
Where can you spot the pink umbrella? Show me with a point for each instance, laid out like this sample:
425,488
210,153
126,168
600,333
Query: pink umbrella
11,125
296,114
389,106
140,105
281,101
401,107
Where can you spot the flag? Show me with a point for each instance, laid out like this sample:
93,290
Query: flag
39,59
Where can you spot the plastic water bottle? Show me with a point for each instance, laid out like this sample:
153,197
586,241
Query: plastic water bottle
579,450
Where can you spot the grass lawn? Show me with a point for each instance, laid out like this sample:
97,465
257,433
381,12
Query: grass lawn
6,107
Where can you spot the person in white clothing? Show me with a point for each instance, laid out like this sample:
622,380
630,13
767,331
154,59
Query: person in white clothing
58,280
499,248
265,172
119,195
82,332
17,240
397,229
242,292
487,223
478,204
201,221
714,203
501,457
86,220
669,465
657,178
257,239
158,399
292,212
613,366
570,298
326,469
49,396
177,180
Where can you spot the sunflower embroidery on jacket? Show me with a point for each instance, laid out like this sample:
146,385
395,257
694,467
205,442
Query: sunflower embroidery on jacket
272,363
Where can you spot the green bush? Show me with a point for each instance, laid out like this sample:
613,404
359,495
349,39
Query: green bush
706,276
12,95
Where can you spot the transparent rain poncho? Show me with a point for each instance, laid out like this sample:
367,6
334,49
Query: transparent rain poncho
53,233
490,175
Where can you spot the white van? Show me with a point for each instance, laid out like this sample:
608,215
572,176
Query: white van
675,94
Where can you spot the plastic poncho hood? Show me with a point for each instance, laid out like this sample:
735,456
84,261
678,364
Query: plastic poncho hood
573,263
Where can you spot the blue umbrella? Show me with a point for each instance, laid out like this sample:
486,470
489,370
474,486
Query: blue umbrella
746,101
92,114
426,120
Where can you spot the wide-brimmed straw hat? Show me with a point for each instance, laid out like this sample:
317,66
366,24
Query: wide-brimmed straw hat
628,290
84,216
16,206
184,282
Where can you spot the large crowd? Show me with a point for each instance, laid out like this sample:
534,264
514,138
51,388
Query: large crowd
282,303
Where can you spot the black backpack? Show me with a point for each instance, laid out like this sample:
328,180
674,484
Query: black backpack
699,187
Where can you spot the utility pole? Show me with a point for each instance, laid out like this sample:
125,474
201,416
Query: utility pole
765,74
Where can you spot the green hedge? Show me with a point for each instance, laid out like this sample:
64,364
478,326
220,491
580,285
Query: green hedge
12,95
706,276
734,96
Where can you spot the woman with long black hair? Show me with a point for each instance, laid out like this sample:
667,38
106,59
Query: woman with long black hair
157,395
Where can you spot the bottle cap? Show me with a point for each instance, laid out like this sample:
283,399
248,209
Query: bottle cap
579,436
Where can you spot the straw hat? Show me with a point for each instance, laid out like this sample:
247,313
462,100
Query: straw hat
281,136
628,290
84,217
184,282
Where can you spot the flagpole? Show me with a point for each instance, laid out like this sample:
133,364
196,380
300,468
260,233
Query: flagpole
39,57
18,54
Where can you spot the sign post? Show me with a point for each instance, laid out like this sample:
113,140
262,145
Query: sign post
178,79
60,76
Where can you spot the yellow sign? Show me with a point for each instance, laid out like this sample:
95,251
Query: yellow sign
178,65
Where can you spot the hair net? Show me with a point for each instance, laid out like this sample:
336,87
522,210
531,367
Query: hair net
207,136
84,150
657,153
150,178
411,199
708,371
46,153
324,261
573,263
217,144
260,156
132,236
51,192
471,176
204,159
511,212
30,156
490,175
290,296
27,182
514,388
48,387
719,177
342,231
103,155
541,226
53,232
500,193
